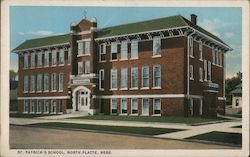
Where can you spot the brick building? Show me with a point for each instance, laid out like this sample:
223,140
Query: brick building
166,66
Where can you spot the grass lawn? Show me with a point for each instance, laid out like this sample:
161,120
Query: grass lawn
18,115
163,119
105,128
222,137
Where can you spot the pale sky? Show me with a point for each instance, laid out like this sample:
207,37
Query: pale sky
28,22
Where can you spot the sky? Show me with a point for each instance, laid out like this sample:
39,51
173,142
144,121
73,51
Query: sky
28,22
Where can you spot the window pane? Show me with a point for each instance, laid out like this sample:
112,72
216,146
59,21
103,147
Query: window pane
54,57
113,50
26,60
157,76
33,59
113,105
134,73
124,105
87,67
124,78
134,49
46,58
87,47
134,106
156,46
124,50
61,57
157,106
61,81
80,68
80,48
113,78
145,75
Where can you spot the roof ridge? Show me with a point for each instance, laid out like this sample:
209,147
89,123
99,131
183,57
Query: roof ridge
47,36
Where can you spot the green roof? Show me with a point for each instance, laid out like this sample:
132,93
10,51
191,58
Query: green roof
131,28
45,41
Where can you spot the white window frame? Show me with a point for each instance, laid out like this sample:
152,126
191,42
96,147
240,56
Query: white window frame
114,50
156,40
134,77
87,47
191,47
39,59
32,106
217,57
26,61
213,55
46,107
201,74
191,72
209,70
32,60
39,106
101,78
102,51
60,106
87,67
61,57
132,107
134,49
69,56
46,58
80,48
143,100
124,50
54,57
200,50
154,85
111,79
80,66
53,82
53,106
26,106
142,81
111,107
124,79
205,69
61,81
46,77
126,106
154,99
39,82
32,83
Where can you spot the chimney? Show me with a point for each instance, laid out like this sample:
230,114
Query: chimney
194,19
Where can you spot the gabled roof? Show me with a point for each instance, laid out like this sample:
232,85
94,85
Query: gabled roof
131,28
45,41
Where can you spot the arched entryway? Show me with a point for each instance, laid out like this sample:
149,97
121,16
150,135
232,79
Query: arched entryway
81,99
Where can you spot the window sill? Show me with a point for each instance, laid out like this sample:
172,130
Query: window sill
156,115
25,92
53,65
38,112
83,55
101,89
144,88
191,79
61,65
156,87
60,91
53,91
113,60
32,67
46,66
123,114
39,92
52,112
60,113
134,58
144,114
102,61
201,60
134,88
45,112
191,56
25,112
32,112
46,91
123,89
124,59
201,80
32,91
40,66
156,56
112,89
134,114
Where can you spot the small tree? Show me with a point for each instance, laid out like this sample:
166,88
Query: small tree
13,75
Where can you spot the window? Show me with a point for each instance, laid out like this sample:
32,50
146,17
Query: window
46,82
53,106
46,58
87,67
87,47
60,109
39,59
113,51
26,60
201,106
53,82
157,46
123,105
47,104
191,72
61,56
32,106
102,51
26,106
101,79
80,68
191,50
145,77
69,55
54,57
32,65
217,57
124,78
205,69
191,106
39,106
113,106
124,50
26,83
220,59
157,106
209,71
113,78
213,54
39,82
80,47
61,77
201,74
200,50
134,108
32,83
145,106
134,77
157,75
134,49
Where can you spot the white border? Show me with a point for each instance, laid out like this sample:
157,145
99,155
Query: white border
5,38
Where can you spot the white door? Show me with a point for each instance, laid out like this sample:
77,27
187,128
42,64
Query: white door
83,100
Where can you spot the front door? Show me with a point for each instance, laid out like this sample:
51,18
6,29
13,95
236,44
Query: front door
83,100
